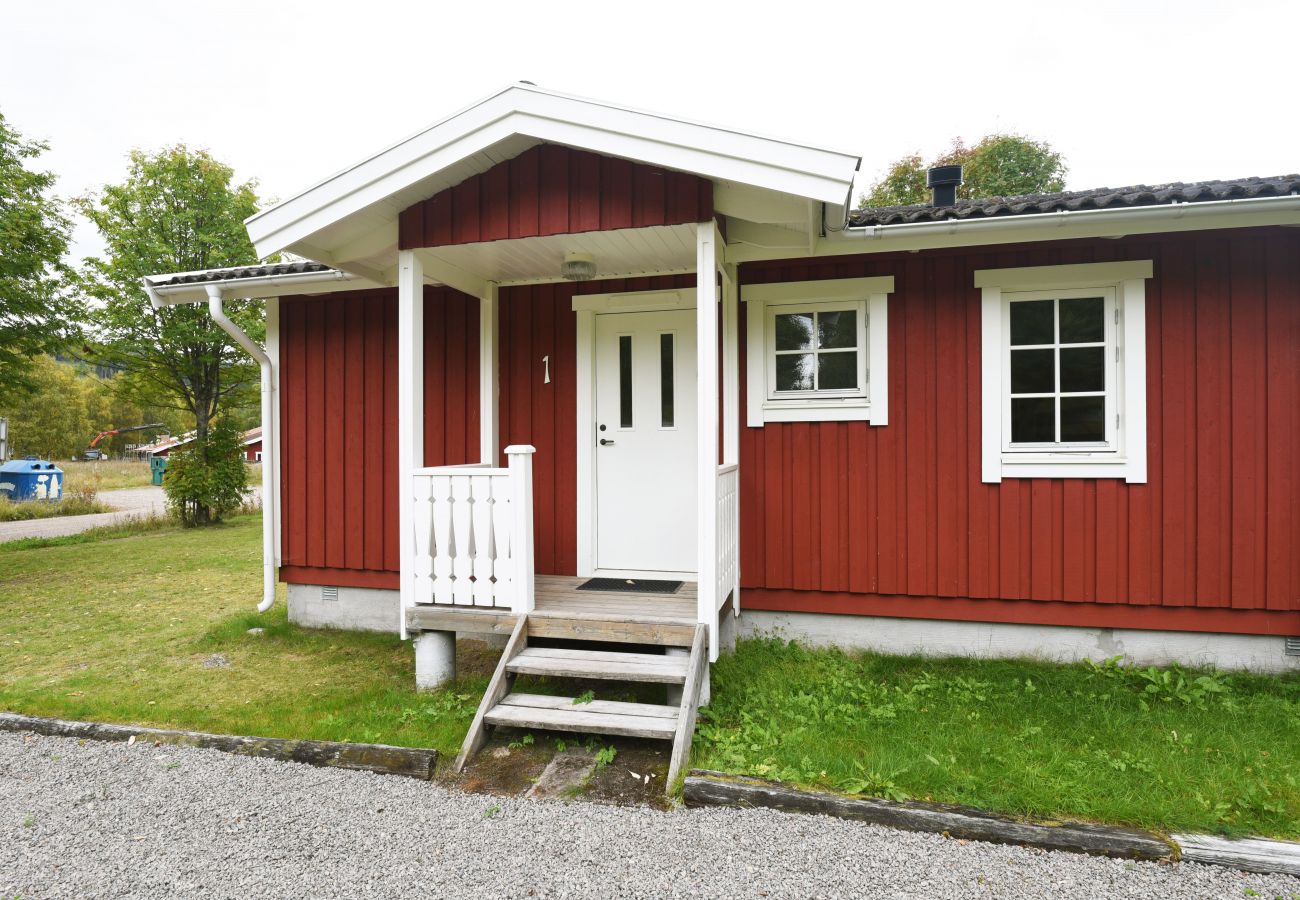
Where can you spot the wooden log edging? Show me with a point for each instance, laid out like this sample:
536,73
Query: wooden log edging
380,758
1248,854
705,788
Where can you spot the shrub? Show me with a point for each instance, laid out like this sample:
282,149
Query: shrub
208,480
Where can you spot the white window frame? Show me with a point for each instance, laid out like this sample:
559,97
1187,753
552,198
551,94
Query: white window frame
869,402
1124,452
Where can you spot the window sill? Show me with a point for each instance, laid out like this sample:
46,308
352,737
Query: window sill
854,410
1069,465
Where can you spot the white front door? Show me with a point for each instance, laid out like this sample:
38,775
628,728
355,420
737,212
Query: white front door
645,441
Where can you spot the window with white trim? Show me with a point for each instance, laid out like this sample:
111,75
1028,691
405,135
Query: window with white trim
816,350
1064,371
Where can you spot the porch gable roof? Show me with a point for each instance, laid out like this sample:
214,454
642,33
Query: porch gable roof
353,215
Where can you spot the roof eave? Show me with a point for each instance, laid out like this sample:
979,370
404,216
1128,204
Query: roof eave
161,294
817,174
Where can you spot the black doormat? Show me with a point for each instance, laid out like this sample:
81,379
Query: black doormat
631,585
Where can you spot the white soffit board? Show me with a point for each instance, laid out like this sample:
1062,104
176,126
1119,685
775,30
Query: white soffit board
508,122
620,253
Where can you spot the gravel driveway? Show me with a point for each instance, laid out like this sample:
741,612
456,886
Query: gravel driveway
111,820
128,503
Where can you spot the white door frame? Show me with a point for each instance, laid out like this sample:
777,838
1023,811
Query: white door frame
587,307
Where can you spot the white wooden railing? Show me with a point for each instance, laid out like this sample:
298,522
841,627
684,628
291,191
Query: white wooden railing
728,533
474,534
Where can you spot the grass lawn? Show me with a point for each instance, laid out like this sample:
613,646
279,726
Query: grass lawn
135,629
74,505
114,474
148,623
1162,749
103,475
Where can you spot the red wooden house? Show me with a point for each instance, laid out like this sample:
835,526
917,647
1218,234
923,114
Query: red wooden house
549,339
252,441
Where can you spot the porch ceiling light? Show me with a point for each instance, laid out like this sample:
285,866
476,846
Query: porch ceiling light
578,266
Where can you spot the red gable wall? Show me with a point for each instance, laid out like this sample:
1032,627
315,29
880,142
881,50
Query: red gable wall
894,520
550,189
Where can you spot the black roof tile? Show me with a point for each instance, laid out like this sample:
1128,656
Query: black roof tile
240,272
1098,198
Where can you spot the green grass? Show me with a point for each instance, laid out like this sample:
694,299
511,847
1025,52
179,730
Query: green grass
1157,748
116,625
69,505
104,475
117,629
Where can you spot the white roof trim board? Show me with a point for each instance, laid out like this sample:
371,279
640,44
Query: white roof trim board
521,109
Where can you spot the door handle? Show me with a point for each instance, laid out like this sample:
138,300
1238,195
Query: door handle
605,442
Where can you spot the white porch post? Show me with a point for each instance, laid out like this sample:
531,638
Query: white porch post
520,458
730,369
706,342
410,411
731,400
488,378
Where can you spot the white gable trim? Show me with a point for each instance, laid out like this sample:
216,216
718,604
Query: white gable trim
820,175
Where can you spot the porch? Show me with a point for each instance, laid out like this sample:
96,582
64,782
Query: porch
468,531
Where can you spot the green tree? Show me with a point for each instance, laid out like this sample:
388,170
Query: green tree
35,316
178,210
207,479
51,418
1000,165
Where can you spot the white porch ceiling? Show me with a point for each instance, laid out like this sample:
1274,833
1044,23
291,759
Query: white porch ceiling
627,252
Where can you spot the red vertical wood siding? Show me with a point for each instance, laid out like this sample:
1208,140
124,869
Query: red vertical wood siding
338,410
895,520
845,517
551,189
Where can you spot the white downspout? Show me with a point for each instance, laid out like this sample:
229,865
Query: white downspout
270,441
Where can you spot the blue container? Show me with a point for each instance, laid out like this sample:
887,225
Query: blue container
31,479
157,468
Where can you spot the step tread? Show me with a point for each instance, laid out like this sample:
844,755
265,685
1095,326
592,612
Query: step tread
565,663
523,711
615,707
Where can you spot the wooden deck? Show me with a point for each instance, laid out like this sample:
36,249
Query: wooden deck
562,611
558,595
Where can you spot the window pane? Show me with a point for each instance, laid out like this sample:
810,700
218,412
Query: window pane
625,381
1031,322
1083,321
794,331
1082,369
1033,371
794,372
1033,420
837,329
837,371
1083,418
666,380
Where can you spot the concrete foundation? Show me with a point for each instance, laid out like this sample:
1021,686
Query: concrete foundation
353,609
931,637
435,659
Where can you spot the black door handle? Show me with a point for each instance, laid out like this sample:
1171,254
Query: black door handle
606,443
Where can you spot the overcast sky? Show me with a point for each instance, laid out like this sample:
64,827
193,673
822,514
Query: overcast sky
288,93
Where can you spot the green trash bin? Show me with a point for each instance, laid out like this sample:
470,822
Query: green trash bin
157,465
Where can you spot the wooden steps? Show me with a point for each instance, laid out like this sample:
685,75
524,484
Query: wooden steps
606,665
502,706
643,720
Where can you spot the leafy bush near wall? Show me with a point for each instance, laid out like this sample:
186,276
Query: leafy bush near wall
208,480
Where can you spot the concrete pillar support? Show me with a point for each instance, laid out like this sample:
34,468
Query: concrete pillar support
435,659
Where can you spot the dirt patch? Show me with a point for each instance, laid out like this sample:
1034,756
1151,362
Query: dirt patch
513,761
635,777
500,768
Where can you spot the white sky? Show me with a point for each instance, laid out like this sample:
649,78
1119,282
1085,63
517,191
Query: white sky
289,92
